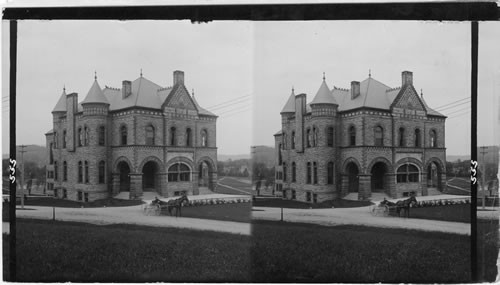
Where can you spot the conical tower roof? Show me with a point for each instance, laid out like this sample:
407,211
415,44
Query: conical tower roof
324,95
61,104
95,95
290,104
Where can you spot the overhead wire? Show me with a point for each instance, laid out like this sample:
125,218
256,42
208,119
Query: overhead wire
453,106
447,104
228,102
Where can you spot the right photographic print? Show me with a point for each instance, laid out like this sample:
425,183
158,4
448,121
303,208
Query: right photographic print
361,153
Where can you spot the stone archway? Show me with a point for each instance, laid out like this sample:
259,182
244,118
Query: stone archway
352,171
379,177
435,175
124,176
207,174
150,179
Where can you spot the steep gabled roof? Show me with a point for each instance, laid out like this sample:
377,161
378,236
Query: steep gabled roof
61,104
373,94
144,93
95,95
290,104
324,95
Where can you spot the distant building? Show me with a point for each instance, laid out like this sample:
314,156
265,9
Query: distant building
263,154
367,139
142,137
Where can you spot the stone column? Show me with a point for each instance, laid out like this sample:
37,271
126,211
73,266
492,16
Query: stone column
162,183
423,184
116,184
364,191
443,182
135,185
194,180
344,185
391,183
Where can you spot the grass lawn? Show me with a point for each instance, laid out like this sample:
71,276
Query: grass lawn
67,251
278,203
54,202
460,183
238,212
487,249
291,252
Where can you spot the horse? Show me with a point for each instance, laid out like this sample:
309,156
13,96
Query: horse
177,204
405,205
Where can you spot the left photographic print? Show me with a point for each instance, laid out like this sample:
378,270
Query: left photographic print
132,149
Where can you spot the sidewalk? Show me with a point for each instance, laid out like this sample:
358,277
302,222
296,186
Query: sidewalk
131,215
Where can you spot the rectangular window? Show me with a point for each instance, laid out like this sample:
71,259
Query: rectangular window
65,194
86,195
308,173
55,193
102,133
284,194
173,177
294,197
80,195
308,196
315,198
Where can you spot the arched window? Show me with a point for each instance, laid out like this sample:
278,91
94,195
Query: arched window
280,160
123,135
379,136
102,171
86,171
64,139
315,137
204,138
56,140
330,173
101,133
80,137
284,171
86,136
188,137
401,136
80,172
433,138
179,172
308,173
407,173
294,172
329,136
315,173
284,140
51,153
65,171
56,170
173,138
352,136
417,137
150,135
309,137
293,140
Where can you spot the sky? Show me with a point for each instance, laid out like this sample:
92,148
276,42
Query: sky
244,71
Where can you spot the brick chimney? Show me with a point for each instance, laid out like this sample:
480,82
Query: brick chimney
355,89
407,78
178,77
126,88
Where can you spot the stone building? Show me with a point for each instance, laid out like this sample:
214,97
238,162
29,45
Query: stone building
367,139
140,137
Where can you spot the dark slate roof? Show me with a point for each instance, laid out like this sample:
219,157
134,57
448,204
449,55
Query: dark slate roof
324,95
95,95
290,104
61,103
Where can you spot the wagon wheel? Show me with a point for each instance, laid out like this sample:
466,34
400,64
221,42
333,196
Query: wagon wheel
374,210
157,211
386,211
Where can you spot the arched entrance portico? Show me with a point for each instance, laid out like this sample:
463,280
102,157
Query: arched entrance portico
124,174
378,177
434,176
207,175
352,177
150,178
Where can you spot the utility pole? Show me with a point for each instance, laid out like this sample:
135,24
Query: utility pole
22,151
483,174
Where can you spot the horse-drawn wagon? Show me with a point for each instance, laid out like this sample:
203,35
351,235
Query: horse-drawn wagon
387,208
158,207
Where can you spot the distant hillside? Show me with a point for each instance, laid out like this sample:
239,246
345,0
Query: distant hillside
34,153
453,158
226,157
263,154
